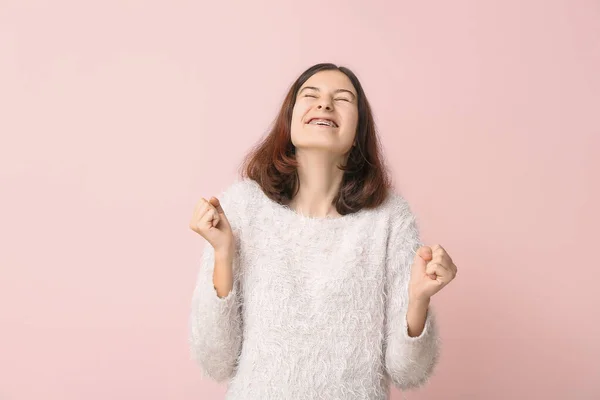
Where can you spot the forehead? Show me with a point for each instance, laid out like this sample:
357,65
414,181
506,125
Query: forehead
330,80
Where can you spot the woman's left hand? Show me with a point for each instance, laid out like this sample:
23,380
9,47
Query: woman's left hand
432,270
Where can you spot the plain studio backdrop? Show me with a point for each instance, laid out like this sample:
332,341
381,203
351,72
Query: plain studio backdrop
117,116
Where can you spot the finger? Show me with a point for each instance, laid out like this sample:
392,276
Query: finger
444,259
211,217
437,274
425,253
453,270
449,270
216,217
201,207
217,204
438,250
438,269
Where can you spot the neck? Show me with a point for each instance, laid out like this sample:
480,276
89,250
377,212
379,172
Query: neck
319,180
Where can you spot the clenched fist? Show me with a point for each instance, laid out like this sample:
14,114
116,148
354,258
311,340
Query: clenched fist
432,270
210,222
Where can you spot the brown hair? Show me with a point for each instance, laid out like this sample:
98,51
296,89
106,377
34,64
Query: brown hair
272,163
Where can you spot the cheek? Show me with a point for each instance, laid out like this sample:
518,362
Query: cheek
298,113
299,110
351,119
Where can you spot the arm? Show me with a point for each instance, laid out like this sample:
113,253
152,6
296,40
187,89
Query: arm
416,316
223,273
216,318
412,343
216,323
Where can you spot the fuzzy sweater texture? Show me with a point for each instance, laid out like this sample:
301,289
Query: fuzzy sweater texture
318,306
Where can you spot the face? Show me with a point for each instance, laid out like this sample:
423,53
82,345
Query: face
325,115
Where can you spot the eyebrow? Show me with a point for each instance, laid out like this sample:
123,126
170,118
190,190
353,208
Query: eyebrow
336,91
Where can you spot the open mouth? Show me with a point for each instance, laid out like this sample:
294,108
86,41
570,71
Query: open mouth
322,122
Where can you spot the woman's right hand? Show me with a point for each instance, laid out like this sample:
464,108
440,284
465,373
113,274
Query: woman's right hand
210,222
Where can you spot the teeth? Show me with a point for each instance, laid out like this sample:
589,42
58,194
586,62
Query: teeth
322,122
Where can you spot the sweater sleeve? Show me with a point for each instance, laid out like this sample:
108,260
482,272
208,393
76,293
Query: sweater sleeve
216,323
409,361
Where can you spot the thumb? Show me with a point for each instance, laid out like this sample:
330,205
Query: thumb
423,255
217,204
422,259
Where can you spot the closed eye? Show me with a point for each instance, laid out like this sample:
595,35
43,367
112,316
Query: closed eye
310,95
342,99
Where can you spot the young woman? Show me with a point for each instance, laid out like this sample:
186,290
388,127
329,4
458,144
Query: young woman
314,284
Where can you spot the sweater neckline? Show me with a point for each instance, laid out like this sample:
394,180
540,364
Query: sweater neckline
287,212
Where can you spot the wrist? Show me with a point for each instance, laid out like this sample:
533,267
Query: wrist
224,254
419,303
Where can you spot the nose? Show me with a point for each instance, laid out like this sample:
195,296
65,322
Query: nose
324,104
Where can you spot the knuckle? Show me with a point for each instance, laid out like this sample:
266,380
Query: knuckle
433,266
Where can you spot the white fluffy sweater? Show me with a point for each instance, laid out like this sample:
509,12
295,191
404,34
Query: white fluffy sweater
318,306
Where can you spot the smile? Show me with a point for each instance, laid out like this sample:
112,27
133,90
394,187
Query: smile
322,122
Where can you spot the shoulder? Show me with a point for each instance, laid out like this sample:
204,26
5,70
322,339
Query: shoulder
399,213
240,189
396,206
402,226
239,198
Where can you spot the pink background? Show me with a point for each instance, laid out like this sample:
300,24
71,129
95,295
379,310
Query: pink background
116,116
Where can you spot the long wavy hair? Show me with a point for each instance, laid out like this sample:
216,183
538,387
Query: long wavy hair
273,165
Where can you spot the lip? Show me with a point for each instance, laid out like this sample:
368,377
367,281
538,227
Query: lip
326,118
